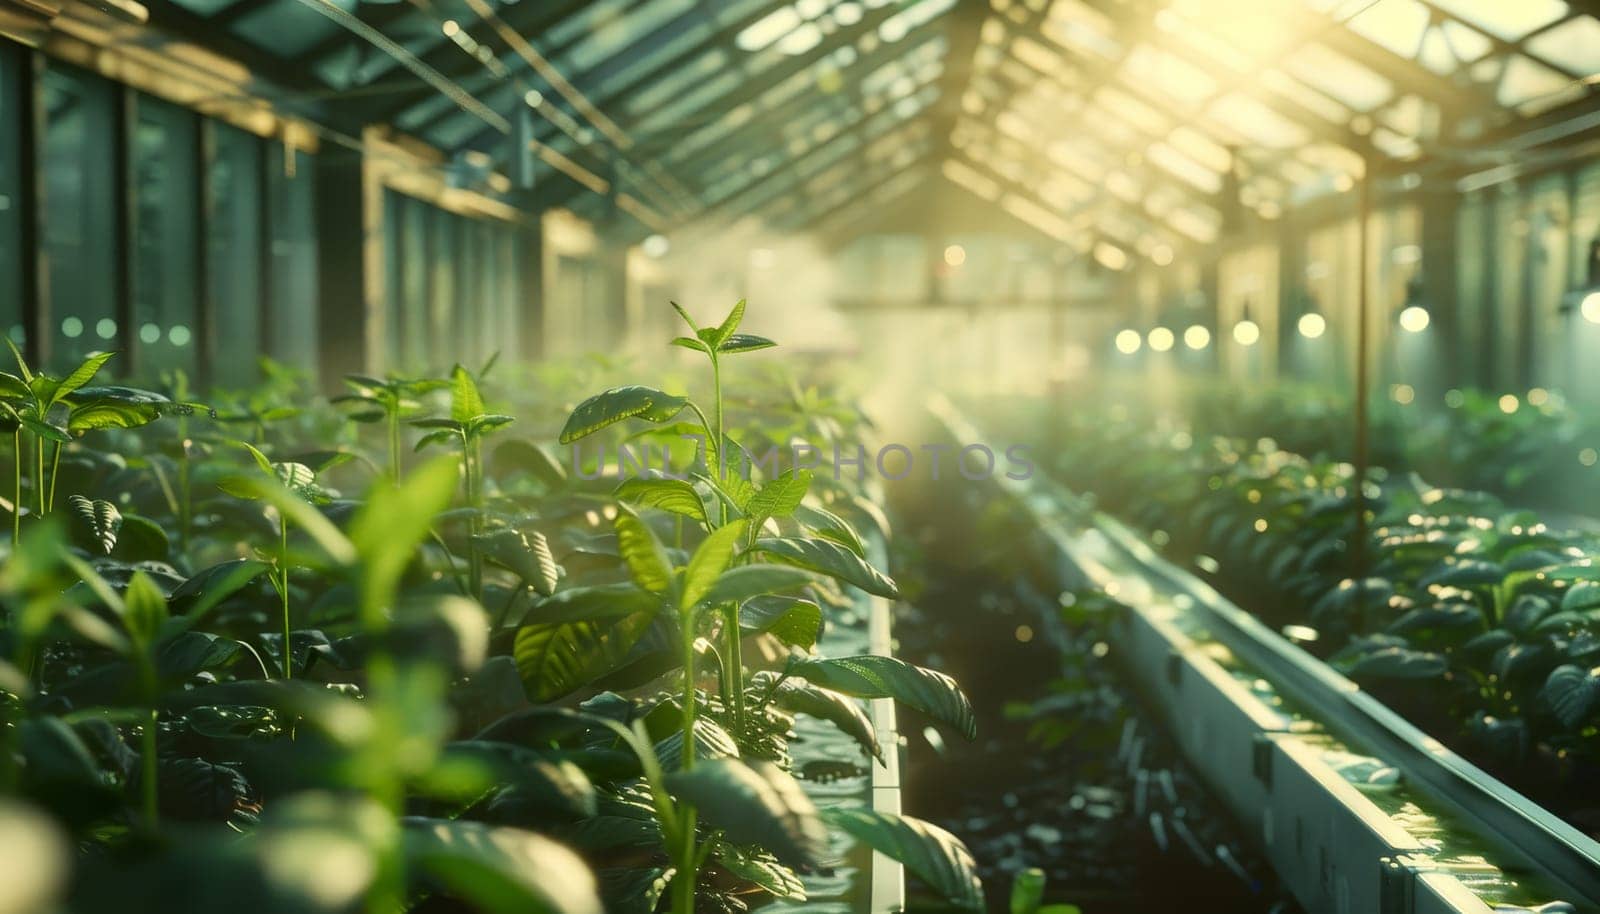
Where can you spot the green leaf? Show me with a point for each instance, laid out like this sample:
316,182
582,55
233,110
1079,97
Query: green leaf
779,497
79,376
691,343
145,608
527,557
99,520
737,585
744,342
759,804
828,525
710,559
45,430
840,710
760,868
1397,663
617,404
261,460
876,676
728,326
558,658
110,413
643,553
1581,596
932,854
1572,694
797,623
676,496
393,523
675,306
466,403
593,604
1464,573
555,786
710,742
830,558
501,870
22,364
206,590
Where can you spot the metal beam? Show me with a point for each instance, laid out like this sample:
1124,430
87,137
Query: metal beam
704,167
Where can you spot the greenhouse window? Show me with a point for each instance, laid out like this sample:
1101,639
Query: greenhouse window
1397,25
1506,21
1573,45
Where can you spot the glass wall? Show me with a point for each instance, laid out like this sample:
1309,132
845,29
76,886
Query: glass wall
233,241
205,246
451,286
79,217
166,294
291,334
11,254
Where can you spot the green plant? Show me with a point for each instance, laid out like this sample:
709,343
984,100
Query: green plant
302,481
713,595
390,401
468,423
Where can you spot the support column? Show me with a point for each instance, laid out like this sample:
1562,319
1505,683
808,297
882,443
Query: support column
344,284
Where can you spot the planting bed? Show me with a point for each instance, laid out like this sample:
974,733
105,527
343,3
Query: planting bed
1460,822
1073,772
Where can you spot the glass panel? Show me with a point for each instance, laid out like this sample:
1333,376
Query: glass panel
292,333
1340,77
444,340
1525,81
1393,24
78,217
234,246
1509,21
166,295
1574,45
10,192
415,326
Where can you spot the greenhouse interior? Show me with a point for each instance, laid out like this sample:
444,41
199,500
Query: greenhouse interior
816,456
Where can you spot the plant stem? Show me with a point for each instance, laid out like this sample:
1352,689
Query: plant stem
394,445
16,488
55,470
733,667
469,460
505,608
38,473
716,411
683,883
283,591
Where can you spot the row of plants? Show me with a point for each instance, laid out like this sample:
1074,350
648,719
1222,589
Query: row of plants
269,653
1533,450
1478,621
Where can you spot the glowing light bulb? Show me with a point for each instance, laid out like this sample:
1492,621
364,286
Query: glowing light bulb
1196,337
1246,333
1312,325
955,255
1128,342
1414,319
1161,339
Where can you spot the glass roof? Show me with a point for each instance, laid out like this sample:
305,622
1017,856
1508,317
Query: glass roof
1095,121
